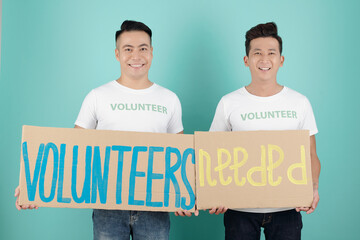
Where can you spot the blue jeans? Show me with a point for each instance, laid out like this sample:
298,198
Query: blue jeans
119,224
285,225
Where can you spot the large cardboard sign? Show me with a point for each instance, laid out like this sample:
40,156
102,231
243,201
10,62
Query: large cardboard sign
257,169
80,168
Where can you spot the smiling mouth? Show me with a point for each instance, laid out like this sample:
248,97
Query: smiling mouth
136,65
264,68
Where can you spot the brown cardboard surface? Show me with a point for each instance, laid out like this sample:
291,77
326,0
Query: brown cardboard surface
221,182
49,176
52,176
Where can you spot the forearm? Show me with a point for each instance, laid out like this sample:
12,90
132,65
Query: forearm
315,163
315,168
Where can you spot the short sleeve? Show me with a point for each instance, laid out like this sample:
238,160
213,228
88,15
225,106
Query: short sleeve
220,121
308,122
87,115
175,125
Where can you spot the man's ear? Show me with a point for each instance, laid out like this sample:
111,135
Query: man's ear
117,54
282,59
246,61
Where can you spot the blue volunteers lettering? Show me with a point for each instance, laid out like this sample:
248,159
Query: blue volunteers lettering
134,174
186,154
32,184
121,150
170,176
85,194
96,174
60,198
151,175
99,180
55,151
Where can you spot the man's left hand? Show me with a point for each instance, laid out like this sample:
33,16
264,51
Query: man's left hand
314,204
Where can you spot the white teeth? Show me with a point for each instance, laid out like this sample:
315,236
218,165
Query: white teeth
135,65
265,69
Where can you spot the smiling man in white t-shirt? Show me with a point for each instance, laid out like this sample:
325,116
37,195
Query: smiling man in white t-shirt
130,103
266,105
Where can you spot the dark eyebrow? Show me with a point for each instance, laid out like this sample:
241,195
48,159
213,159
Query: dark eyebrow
127,45
143,45
131,46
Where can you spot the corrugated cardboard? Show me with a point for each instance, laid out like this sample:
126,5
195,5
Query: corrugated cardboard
223,178
258,169
61,178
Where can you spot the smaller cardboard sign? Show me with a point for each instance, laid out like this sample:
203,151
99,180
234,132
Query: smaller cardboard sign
80,168
257,169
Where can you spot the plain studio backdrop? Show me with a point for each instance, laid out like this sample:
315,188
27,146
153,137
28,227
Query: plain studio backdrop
54,52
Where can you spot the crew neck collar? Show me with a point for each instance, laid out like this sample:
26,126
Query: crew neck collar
246,93
138,91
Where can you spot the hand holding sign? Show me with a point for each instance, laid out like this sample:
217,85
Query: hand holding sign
218,210
20,207
314,204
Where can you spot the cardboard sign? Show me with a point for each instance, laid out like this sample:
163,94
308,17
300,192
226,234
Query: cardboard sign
257,169
80,168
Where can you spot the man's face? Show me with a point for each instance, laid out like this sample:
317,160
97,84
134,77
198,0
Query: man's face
134,52
264,58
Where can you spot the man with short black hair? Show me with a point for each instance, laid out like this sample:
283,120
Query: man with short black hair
102,109
264,94
130,103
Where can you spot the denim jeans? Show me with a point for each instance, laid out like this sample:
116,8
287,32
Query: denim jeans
119,224
285,225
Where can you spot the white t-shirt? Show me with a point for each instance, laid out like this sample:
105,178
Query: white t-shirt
113,106
242,111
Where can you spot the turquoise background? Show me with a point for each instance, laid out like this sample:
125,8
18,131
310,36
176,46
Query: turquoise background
54,52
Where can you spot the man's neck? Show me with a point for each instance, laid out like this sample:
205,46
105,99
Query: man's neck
264,89
141,83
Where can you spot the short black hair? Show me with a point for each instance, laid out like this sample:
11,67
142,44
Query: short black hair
262,30
129,25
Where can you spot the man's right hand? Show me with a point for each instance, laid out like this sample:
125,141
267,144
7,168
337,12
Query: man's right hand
19,207
218,210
